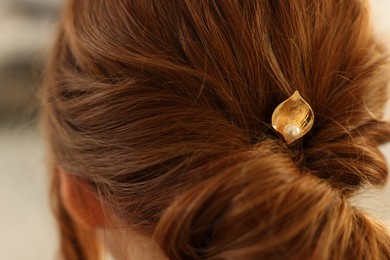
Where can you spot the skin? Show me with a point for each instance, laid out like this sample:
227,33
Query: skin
84,205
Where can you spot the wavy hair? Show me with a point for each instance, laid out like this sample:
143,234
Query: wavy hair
165,106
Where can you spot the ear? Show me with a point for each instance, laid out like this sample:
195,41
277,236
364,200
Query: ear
81,201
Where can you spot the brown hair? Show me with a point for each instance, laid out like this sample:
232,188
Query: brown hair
166,107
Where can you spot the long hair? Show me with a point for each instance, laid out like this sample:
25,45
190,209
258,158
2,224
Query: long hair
165,106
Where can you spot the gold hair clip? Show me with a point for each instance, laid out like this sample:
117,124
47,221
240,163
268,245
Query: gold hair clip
293,118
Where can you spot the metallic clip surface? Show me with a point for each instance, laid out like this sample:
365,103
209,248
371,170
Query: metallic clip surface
293,118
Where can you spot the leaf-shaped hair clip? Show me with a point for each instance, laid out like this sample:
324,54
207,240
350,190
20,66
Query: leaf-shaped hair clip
293,118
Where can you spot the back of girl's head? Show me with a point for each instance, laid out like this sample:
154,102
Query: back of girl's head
166,106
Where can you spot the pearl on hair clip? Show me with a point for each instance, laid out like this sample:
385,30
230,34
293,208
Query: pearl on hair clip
291,131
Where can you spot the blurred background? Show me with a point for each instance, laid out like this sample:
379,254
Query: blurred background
27,30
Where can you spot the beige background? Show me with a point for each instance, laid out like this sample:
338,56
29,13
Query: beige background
26,226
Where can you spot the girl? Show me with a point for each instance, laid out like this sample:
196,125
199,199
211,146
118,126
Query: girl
158,119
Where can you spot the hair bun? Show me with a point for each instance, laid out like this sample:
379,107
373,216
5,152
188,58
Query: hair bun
262,207
351,160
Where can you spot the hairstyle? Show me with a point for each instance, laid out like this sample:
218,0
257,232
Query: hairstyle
165,106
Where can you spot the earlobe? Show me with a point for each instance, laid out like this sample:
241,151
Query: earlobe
81,201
